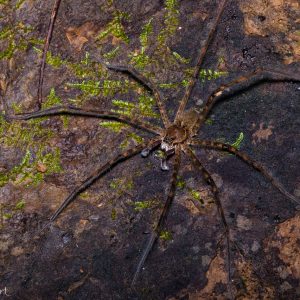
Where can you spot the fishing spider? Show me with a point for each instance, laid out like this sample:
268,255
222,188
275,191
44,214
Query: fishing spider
174,139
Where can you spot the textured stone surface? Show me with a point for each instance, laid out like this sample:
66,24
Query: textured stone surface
92,250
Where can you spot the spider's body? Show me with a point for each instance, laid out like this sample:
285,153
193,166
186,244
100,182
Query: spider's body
175,134
175,138
180,132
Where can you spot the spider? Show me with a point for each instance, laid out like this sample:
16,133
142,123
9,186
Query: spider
175,138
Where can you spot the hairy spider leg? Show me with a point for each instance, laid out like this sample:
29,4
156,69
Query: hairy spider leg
99,173
200,58
251,78
163,215
210,181
140,78
244,157
45,50
74,111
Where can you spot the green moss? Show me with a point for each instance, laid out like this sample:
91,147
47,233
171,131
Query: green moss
171,22
111,87
16,108
146,106
113,125
168,85
195,194
160,154
9,51
121,185
114,184
89,88
113,214
85,195
8,210
6,32
20,135
19,3
86,61
165,235
111,54
33,168
20,205
185,82
123,107
180,184
7,216
208,74
147,30
52,100
181,59
16,37
238,141
141,205
209,121
115,27
204,75
139,58
83,69
32,138
131,137
54,60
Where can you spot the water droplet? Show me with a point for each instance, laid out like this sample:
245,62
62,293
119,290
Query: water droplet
164,166
145,152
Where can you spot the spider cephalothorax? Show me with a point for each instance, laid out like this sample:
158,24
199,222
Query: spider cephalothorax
174,135
178,133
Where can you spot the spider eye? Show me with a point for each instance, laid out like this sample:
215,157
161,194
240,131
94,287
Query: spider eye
168,140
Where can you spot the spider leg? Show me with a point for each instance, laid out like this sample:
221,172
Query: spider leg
244,157
45,50
74,111
99,173
200,58
251,78
140,78
162,218
208,178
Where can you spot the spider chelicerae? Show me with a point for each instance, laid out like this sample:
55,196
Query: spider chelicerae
174,139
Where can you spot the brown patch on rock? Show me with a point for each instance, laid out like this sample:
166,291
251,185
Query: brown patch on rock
52,195
5,242
200,15
41,167
3,83
216,274
81,227
243,223
199,206
287,241
262,133
252,285
17,251
274,18
78,36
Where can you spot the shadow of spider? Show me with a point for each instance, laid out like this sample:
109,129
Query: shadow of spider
175,138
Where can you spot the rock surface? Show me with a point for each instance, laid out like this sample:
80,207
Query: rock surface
92,250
